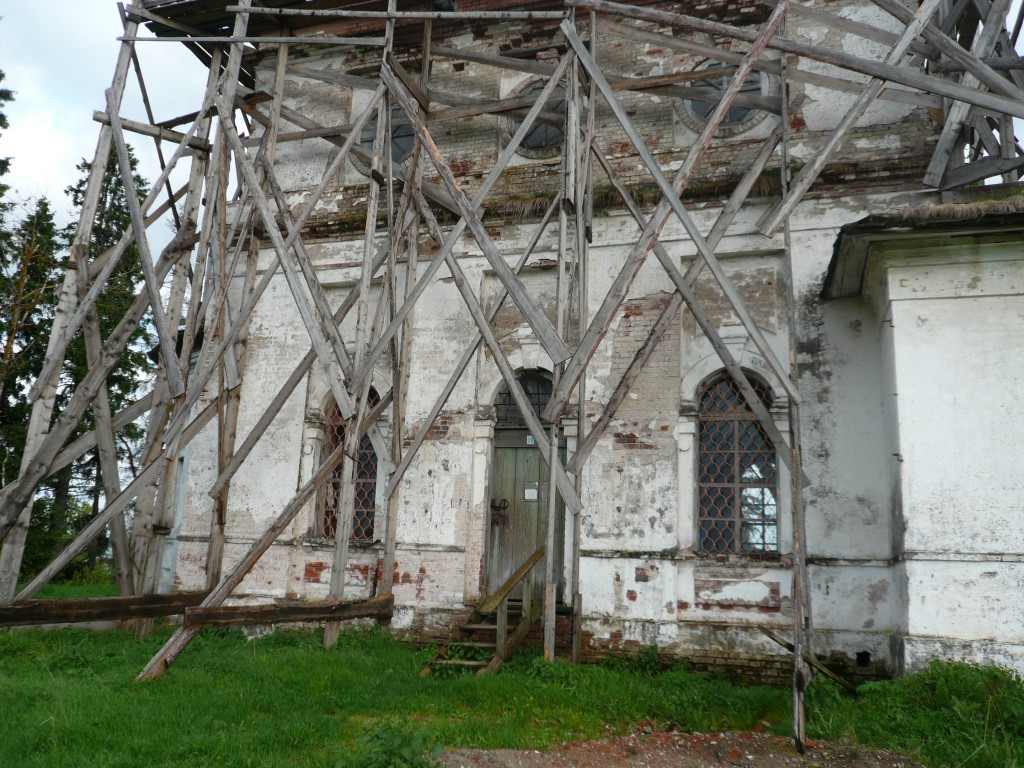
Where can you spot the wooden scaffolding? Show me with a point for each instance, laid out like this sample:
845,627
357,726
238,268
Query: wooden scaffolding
955,56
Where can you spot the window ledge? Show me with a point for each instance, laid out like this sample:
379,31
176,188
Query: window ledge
744,560
319,542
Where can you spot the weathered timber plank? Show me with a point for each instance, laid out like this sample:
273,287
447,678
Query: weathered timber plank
153,131
288,611
30,612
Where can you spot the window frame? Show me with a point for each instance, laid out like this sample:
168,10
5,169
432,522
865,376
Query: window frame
509,125
365,507
778,488
766,86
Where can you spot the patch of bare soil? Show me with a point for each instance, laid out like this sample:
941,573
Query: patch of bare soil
683,750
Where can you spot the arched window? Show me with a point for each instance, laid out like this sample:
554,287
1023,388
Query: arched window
537,387
329,495
737,472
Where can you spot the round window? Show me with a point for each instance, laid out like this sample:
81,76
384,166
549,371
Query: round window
743,113
544,140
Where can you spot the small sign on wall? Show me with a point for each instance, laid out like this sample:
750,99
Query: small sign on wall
531,491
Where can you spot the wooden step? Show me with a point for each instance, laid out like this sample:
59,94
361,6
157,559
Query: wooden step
478,627
462,662
472,644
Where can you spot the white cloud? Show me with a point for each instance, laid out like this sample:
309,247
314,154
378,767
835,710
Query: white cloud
59,62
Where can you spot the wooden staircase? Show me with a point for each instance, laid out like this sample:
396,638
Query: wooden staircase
484,641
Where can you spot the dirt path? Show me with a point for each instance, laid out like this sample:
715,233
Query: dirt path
683,750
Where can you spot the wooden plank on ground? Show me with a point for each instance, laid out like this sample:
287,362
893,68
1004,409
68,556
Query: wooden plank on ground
290,611
810,660
29,612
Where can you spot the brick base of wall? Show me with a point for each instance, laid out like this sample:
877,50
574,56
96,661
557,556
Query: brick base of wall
761,669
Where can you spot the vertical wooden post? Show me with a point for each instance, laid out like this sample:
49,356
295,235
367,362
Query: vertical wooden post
584,224
801,596
400,377
352,437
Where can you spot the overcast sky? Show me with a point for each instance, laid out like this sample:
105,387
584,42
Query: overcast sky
58,57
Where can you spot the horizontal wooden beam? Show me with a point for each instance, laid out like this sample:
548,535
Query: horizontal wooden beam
435,15
29,612
375,42
154,131
290,611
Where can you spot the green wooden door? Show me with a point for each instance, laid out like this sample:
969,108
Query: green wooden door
519,508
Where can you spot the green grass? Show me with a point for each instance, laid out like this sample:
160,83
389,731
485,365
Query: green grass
66,590
951,714
69,699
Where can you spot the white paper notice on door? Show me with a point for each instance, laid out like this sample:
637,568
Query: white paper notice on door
530,491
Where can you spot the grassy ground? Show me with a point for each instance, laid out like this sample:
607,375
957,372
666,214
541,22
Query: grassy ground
69,699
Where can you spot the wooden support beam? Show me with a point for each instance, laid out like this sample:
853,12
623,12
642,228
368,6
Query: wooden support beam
338,78
361,391
286,390
669,204
114,506
17,494
181,638
494,600
63,333
957,114
16,508
29,612
809,659
175,383
466,359
154,131
983,70
144,92
683,287
866,31
772,67
979,170
338,13
566,486
425,279
809,173
546,334
904,75
289,612
362,42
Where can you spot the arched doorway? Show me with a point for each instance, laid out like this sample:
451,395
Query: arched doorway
519,487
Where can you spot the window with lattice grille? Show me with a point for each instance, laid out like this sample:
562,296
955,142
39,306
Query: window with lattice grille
737,473
364,480
537,388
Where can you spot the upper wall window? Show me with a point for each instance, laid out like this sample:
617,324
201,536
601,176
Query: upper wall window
364,477
544,140
695,112
737,472
403,137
